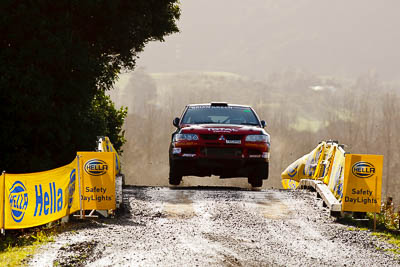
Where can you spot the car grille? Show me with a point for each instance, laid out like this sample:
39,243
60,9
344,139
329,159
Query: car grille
254,152
210,136
189,150
217,136
222,152
233,137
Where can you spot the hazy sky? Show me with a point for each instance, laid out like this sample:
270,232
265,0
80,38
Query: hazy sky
256,37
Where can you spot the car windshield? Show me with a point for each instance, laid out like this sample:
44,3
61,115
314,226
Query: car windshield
219,115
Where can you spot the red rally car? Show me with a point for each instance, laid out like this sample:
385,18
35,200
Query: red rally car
220,139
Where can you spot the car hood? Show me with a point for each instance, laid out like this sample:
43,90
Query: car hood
221,128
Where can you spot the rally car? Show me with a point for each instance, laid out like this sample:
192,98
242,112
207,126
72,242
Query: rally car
220,139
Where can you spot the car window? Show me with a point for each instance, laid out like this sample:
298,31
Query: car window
219,115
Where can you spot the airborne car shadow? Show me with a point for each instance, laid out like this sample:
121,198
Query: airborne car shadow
211,188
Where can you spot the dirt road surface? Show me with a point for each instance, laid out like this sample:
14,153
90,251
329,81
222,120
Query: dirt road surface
215,227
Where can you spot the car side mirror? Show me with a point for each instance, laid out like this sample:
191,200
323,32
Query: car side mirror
263,124
175,122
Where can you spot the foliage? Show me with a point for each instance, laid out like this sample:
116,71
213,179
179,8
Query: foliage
16,247
388,219
57,60
108,119
392,238
387,225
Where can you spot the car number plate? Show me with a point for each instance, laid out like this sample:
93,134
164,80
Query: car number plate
237,142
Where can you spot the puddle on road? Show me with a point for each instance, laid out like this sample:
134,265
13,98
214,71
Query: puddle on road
179,207
182,211
273,209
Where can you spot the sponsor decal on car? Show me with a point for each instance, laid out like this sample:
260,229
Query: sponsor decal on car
236,142
211,107
189,155
222,130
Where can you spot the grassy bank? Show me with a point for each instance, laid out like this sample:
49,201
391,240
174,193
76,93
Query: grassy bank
387,225
17,246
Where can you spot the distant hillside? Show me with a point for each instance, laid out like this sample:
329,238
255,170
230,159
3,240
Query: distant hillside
300,108
292,92
299,100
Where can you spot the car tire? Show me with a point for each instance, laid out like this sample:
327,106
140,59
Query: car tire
265,171
255,181
259,174
175,180
175,177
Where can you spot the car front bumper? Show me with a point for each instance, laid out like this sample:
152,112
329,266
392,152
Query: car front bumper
225,168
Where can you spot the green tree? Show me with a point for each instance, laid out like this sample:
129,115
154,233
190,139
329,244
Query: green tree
57,59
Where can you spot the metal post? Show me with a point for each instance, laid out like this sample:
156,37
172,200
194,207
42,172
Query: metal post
3,231
80,190
376,198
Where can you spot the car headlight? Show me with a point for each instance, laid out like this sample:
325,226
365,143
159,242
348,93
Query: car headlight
257,138
186,137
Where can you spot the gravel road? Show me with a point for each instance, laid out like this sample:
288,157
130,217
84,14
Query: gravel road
215,227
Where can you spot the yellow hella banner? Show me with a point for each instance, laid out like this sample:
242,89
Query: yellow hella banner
362,183
2,201
107,146
295,171
313,161
97,172
327,162
336,178
34,199
289,184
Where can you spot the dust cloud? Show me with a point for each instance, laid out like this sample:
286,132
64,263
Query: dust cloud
313,70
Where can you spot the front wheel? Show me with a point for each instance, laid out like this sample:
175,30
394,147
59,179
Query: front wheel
259,174
175,177
255,181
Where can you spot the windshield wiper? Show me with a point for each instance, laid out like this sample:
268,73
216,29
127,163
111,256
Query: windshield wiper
204,122
250,123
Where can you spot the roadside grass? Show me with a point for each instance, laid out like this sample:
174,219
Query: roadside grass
358,229
391,238
17,246
387,225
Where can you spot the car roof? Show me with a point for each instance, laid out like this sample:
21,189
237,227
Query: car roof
217,103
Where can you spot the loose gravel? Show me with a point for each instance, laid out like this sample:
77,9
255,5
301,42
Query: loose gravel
216,227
